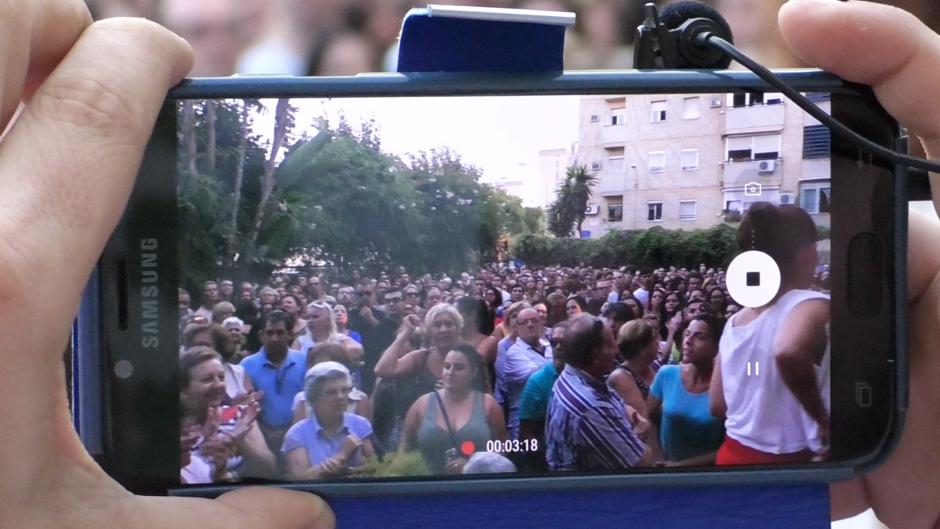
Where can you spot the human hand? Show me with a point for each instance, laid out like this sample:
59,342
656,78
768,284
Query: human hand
246,421
350,445
900,58
66,169
455,465
332,467
366,314
409,324
213,421
641,426
674,323
217,449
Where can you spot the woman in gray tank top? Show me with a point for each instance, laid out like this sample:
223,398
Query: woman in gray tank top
449,425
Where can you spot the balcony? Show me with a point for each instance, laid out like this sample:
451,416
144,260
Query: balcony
614,135
611,184
764,172
754,119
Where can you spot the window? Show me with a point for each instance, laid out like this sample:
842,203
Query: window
615,164
657,161
614,209
657,111
817,141
690,108
618,116
687,209
749,99
615,160
654,211
690,159
747,148
767,147
739,149
815,197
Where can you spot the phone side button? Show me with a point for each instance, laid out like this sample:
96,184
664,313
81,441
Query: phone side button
865,276
863,394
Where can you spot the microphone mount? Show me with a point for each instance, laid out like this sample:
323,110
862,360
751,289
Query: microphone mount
691,35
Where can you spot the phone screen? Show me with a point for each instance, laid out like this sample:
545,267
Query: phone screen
512,285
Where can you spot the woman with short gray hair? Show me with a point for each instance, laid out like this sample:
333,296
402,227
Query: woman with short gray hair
330,442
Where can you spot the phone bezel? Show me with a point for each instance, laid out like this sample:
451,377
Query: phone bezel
131,408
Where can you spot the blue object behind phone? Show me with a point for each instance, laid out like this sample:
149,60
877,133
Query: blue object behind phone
446,38
434,40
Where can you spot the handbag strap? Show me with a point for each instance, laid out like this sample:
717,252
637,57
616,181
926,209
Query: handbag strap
450,429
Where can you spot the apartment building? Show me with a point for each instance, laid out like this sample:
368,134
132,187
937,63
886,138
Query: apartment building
696,160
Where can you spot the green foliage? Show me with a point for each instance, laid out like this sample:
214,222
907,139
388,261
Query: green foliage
651,248
336,198
396,465
567,212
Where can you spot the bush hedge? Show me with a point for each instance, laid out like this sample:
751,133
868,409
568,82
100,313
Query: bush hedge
648,249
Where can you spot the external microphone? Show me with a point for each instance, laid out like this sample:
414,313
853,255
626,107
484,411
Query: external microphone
670,41
692,35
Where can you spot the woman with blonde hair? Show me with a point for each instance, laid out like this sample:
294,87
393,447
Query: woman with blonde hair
418,371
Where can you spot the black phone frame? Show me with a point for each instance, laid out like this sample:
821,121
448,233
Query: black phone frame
140,414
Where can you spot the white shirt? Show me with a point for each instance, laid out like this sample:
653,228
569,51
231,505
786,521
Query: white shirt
234,380
197,471
762,411
643,296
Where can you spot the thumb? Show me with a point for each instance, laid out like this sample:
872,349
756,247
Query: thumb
243,508
878,45
274,508
897,55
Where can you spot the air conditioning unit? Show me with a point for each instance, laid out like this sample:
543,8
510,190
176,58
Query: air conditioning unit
595,166
787,198
592,209
766,166
595,118
715,102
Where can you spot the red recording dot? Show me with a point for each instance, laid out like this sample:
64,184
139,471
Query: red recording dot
468,448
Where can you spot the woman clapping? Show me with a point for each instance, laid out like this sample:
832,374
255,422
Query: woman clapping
330,442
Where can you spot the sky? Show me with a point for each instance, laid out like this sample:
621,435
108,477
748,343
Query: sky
500,135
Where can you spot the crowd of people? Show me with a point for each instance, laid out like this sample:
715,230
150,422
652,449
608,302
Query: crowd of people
346,37
308,376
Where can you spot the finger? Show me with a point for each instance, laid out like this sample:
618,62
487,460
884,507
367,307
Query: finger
847,499
244,508
878,45
923,261
52,27
913,463
278,509
80,141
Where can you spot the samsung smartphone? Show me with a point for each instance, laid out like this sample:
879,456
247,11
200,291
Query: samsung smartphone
452,182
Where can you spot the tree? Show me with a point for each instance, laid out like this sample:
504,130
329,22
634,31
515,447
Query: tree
567,212
332,196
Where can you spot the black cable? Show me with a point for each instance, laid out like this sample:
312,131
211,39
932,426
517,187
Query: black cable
714,41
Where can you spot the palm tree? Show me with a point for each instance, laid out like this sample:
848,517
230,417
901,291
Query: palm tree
568,210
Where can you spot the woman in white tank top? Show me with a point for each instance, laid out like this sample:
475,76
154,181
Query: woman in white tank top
772,384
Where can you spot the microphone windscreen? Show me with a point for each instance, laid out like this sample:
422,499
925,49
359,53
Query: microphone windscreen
676,14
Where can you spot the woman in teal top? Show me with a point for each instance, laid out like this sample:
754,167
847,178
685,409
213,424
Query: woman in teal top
450,424
678,399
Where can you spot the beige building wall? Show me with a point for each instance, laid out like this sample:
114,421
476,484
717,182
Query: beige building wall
553,163
683,161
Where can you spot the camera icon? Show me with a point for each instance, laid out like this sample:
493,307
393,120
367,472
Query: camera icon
753,189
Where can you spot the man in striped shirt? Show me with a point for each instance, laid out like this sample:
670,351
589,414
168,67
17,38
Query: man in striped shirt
587,426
